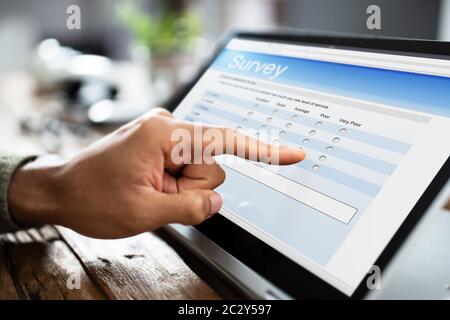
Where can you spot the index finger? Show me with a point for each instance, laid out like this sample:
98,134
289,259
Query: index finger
216,140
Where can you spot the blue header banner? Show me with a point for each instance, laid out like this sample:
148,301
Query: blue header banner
419,92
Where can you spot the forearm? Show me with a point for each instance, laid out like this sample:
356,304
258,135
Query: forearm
28,193
8,167
34,194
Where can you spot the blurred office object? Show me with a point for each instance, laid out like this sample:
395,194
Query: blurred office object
52,64
38,123
90,82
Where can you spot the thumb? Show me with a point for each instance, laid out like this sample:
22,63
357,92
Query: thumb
189,207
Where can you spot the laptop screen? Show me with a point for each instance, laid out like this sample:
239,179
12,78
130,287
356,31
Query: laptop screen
375,128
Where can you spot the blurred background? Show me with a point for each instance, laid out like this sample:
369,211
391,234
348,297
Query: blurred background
110,26
61,89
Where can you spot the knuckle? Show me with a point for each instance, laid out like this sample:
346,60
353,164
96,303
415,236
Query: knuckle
154,122
198,209
162,112
221,175
216,178
197,219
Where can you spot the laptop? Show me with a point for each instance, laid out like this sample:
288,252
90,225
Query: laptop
373,115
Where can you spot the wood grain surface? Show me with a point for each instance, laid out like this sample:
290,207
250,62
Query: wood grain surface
43,264
36,264
142,267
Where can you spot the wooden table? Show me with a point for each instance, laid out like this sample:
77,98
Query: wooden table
57,263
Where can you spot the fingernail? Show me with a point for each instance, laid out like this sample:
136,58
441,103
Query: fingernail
216,203
301,152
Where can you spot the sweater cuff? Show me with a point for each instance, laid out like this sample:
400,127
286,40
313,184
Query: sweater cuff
8,165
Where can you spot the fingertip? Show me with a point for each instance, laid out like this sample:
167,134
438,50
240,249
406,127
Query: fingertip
301,154
216,203
289,155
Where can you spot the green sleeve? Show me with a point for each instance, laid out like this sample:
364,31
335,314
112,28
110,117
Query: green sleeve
8,165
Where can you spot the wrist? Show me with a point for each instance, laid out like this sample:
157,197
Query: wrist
33,193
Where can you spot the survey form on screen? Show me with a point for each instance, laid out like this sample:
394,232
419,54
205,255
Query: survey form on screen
351,152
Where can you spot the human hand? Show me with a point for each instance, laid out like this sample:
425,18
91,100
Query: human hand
128,182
